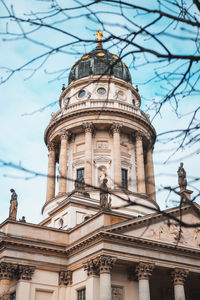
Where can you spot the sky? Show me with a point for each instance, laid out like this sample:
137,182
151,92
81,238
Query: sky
23,123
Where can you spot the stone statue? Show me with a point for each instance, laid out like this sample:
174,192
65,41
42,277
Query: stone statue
13,205
182,177
104,203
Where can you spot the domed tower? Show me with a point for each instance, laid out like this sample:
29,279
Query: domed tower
99,132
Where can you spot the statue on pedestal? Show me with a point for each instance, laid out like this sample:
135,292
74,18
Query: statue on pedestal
104,203
182,181
13,205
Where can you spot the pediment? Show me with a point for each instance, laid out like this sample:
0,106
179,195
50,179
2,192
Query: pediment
162,229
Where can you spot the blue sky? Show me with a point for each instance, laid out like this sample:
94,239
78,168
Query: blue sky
22,132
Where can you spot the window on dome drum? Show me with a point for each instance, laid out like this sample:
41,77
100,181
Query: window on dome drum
101,91
81,294
124,179
80,173
12,296
81,94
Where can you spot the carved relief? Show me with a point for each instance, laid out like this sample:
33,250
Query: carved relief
144,270
102,145
65,277
117,293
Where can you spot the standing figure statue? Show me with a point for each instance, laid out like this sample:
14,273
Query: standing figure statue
104,204
13,205
182,181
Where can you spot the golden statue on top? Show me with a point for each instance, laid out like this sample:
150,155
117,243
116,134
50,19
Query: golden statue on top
99,36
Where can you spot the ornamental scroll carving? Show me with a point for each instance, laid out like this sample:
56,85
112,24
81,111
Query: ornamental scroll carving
65,277
25,272
144,270
101,264
117,293
179,276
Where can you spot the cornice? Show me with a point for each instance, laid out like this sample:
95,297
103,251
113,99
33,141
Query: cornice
95,111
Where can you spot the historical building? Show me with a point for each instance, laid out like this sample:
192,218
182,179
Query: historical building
103,236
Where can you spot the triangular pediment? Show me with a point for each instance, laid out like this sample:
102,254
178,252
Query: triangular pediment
163,228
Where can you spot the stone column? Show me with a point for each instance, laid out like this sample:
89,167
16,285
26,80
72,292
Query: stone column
63,161
150,180
105,267
88,126
7,272
92,285
50,193
140,165
65,281
115,128
143,272
24,275
179,276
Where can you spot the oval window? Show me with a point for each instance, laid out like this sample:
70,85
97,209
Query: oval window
101,91
81,94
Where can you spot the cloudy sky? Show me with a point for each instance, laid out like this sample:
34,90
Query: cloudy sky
23,123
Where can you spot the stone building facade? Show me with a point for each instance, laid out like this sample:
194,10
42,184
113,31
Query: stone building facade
127,250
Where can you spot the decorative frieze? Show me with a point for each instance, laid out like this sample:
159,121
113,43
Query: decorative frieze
65,277
144,270
179,276
24,272
7,270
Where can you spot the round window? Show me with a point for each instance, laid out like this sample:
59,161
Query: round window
81,94
101,91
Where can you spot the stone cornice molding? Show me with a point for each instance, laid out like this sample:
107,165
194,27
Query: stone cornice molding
179,276
144,270
24,272
7,270
65,277
94,111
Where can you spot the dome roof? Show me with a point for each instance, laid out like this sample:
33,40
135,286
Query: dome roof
99,62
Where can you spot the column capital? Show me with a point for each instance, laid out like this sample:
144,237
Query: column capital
88,127
116,127
52,146
25,272
144,270
65,277
139,136
92,267
64,134
7,270
179,276
106,263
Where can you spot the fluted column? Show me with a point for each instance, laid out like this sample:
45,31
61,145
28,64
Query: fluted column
150,180
140,165
143,272
50,193
179,276
7,272
117,154
92,285
88,126
105,267
24,275
65,281
63,161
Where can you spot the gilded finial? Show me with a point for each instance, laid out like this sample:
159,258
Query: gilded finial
99,36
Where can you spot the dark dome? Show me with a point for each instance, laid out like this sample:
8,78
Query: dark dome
99,62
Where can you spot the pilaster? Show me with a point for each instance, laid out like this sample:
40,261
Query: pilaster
115,130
